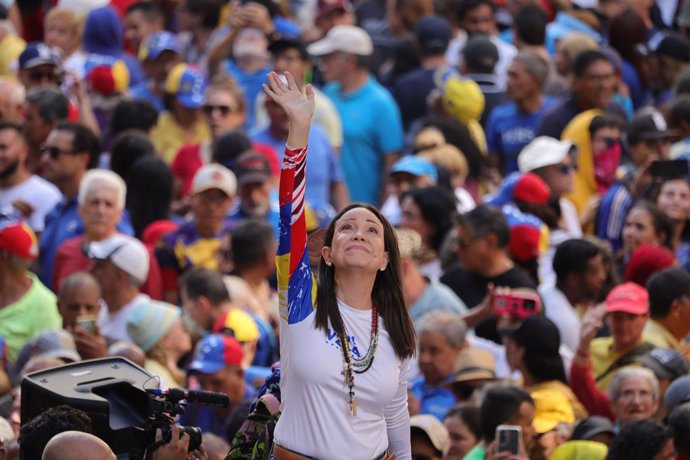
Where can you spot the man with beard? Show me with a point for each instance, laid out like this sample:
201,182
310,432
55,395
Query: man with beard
20,190
255,190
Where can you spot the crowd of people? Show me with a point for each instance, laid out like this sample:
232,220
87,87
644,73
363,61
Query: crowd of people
405,229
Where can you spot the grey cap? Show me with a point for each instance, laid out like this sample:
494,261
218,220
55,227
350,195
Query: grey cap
677,393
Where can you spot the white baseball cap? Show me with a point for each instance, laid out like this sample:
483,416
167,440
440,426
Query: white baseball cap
346,39
214,176
127,253
543,151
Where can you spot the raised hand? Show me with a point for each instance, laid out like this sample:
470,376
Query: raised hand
298,107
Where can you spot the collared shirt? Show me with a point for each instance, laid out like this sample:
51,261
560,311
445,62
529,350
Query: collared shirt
61,224
434,401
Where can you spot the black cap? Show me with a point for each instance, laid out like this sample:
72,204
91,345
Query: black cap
537,334
671,45
480,53
592,426
433,34
252,167
666,363
282,44
647,126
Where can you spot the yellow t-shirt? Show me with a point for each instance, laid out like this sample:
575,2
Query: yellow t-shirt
603,357
167,136
10,48
555,386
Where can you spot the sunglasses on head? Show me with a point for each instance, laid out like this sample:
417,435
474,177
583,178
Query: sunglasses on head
53,151
223,109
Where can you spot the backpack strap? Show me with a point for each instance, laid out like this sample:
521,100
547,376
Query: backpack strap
627,359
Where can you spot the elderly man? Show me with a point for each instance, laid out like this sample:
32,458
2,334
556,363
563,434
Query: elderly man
120,265
373,134
28,193
70,150
512,125
27,307
196,243
101,203
634,393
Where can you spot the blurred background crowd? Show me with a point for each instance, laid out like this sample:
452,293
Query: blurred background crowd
532,155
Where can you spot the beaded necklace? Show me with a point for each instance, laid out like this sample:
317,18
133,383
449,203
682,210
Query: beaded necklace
352,366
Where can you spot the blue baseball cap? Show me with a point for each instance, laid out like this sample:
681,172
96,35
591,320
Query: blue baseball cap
156,43
188,83
416,166
38,53
216,352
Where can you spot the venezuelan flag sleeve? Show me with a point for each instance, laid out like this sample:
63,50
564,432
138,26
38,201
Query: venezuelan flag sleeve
296,283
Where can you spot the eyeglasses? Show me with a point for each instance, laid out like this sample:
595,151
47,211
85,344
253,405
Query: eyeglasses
628,396
223,109
566,169
53,151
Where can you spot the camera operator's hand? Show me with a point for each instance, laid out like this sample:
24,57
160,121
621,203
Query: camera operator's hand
176,449
199,454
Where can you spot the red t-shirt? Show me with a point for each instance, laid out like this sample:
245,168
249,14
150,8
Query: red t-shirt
71,259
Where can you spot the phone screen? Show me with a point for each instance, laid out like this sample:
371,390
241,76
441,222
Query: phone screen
508,439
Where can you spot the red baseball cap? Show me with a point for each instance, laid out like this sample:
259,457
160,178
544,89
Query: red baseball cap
629,298
17,238
532,189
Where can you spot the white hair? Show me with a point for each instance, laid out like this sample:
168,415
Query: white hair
449,325
95,178
631,372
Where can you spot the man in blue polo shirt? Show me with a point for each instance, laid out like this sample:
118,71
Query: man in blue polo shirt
70,150
372,126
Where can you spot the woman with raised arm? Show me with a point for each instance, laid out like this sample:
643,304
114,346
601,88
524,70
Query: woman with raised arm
344,364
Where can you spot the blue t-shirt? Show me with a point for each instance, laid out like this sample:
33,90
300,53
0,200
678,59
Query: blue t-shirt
322,169
372,128
434,401
613,209
251,84
142,92
508,130
61,224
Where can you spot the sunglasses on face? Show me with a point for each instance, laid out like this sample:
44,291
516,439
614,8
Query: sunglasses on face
53,151
43,76
223,109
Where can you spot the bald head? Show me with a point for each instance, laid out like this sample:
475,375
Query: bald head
76,445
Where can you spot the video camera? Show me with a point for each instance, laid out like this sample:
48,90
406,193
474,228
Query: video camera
113,393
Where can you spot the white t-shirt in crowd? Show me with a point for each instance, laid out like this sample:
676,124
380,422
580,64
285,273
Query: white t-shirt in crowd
38,192
316,419
114,325
558,309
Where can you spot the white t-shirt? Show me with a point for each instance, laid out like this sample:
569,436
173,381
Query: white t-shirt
558,309
316,419
38,192
114,325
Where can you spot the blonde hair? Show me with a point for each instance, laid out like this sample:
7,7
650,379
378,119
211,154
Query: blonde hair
74,22
223,82
575,43
409,243
432,146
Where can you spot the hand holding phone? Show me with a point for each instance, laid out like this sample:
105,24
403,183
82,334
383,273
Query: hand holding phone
88,323
519,303
508,438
